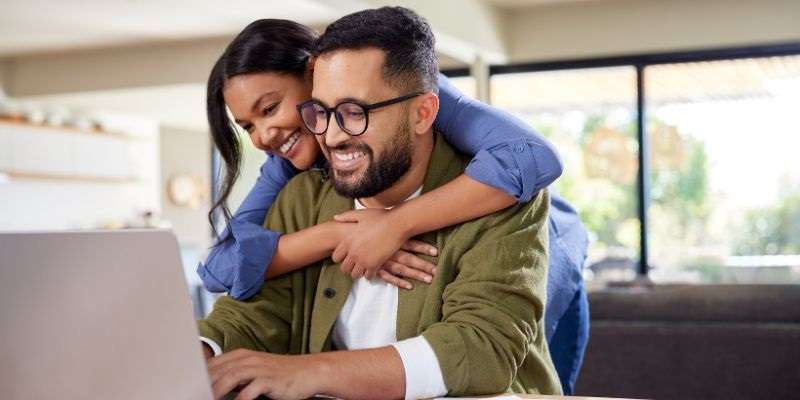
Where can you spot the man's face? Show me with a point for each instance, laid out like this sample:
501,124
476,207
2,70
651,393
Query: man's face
365,165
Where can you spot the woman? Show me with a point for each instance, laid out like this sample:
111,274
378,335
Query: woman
263,74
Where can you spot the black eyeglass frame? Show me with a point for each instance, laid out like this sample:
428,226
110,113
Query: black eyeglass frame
366,107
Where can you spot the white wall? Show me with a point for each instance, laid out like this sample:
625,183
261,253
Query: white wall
36,203
618,27
3,76
186,152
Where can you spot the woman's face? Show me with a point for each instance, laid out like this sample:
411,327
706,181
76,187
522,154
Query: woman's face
265,105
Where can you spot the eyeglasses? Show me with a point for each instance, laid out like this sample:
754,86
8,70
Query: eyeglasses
352,117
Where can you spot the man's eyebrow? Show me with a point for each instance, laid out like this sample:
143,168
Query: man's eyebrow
319,101
341,100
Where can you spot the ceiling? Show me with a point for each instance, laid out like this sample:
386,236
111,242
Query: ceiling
35,26
46,27
506,4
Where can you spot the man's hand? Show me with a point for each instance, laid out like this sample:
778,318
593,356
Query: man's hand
379,246
256,373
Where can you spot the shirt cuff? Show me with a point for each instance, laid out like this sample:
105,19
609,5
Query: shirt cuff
423,375
212,344
498,169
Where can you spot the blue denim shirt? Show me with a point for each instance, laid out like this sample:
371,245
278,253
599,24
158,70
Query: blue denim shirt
507,154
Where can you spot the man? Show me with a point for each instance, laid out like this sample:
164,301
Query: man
476,329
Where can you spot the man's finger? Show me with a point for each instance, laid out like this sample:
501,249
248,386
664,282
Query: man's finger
420,247
221,370
255,388
413,261
405,271
232,380
394,280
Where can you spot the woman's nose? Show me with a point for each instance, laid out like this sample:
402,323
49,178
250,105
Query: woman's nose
265,137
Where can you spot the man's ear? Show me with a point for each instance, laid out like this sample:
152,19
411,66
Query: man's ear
310,63
427,107
309,74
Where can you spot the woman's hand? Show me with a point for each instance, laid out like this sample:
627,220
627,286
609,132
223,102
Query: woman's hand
378,246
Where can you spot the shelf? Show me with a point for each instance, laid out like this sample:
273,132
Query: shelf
68,130
24,175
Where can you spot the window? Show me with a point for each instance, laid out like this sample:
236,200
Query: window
724,176
719,201
465,84
590,115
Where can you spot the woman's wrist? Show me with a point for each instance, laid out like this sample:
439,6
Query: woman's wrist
400,220
333,233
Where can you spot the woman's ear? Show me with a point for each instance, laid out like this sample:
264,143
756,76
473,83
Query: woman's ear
427,107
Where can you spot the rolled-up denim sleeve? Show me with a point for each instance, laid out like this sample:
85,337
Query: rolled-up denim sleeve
238,263
508,154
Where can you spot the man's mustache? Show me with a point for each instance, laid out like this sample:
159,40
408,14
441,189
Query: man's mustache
350,146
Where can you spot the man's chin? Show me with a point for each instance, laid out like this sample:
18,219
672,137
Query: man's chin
346,182
349,178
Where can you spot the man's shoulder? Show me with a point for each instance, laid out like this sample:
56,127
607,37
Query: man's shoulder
298,203
307,182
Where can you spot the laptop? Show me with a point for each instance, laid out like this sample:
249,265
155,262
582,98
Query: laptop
101,314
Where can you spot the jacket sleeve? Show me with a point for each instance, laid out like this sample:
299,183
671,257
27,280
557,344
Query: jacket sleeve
261,323
492,314
238,263
508,154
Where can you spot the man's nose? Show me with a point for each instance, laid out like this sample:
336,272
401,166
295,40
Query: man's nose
335,136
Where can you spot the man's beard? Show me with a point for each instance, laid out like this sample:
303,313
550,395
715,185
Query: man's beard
381,174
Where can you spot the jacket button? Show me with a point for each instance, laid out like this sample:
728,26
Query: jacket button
329,293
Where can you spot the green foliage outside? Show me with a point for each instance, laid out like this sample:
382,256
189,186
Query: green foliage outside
681,207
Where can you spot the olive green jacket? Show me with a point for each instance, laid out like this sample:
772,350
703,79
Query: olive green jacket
482,314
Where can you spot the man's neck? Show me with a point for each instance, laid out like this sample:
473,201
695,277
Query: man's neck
408,183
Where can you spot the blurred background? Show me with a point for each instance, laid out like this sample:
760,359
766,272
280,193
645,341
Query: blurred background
676,121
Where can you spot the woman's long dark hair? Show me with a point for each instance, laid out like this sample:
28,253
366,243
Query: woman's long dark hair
266,45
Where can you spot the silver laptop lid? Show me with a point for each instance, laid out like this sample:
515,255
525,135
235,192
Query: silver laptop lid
97,315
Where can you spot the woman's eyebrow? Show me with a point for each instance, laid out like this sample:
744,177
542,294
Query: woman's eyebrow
258,101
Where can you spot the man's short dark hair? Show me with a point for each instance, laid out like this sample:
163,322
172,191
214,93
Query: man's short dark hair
405,38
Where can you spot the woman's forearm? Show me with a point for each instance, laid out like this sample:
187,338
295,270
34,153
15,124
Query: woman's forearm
458,201
299,249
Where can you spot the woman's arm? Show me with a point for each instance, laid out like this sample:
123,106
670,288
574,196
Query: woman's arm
511,163
238,262
508,154
247,253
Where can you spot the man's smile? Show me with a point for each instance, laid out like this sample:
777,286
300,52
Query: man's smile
348,160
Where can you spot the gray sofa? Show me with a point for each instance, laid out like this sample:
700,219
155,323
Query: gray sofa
694,342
